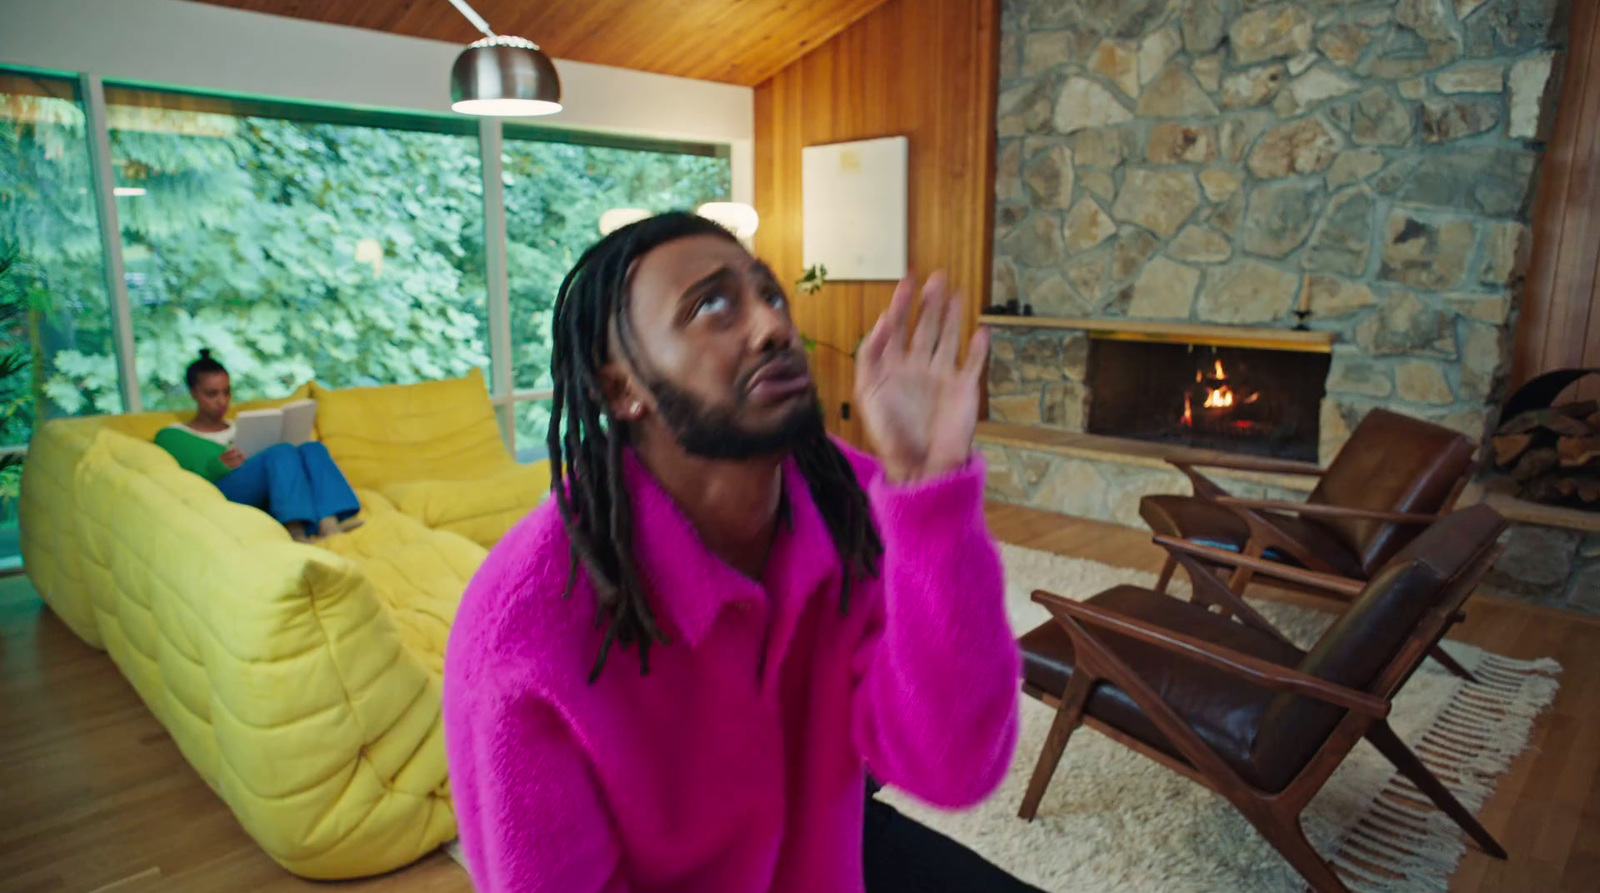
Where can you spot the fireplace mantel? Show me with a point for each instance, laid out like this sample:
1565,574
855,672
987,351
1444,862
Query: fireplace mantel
1176,332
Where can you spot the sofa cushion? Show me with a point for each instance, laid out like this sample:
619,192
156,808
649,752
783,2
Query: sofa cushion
46,519
437,430
481,509
277,667
144,425
419,574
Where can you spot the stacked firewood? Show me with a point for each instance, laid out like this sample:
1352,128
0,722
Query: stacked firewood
1553,455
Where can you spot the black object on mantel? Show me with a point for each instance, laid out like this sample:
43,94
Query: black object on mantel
1302,315
1010,308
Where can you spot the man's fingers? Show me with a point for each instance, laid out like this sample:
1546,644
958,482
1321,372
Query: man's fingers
977,355
872,347
926,337
949,347
897,316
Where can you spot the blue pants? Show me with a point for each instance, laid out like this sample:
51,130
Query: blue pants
292,483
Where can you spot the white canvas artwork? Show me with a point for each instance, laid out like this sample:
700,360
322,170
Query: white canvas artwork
853,198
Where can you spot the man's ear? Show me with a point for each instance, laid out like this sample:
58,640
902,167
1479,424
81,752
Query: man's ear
623,397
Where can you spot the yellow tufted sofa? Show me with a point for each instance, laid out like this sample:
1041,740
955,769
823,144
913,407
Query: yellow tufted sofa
435,451
301,681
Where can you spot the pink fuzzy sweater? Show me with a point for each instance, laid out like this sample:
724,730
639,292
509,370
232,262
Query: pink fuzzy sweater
737,765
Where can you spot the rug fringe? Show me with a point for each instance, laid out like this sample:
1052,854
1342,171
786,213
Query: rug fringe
1402,842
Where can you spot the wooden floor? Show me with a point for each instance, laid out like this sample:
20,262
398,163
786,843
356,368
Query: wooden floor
95,798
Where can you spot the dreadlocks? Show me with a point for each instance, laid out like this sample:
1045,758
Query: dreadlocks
586,444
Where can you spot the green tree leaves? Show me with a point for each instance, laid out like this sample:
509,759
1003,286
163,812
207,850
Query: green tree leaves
254,238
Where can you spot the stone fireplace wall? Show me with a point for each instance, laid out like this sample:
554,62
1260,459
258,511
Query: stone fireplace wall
1228,161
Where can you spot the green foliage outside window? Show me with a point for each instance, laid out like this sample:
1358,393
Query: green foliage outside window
52,283
296,250
293,249
352,254
15,360
555,194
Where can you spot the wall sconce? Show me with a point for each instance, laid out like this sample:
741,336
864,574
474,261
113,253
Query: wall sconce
370,251
617,218
739,218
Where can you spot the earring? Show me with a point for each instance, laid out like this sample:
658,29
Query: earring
636,408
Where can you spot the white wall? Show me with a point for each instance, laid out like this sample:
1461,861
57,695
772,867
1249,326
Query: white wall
179,43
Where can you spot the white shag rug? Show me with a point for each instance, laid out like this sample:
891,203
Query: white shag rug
1116,822
1113,820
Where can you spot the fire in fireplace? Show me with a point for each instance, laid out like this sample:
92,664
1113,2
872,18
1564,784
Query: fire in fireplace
1237,399
1219,395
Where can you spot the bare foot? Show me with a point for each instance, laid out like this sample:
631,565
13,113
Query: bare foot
297,531
330,526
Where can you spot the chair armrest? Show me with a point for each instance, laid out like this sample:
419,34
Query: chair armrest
1263,673
1253,463
1318,510
1209,590
1204,487
1314,579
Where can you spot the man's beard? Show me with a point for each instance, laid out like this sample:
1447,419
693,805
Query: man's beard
713,433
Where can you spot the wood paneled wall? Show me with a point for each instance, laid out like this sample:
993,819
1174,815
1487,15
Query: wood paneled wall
926,69
1560,321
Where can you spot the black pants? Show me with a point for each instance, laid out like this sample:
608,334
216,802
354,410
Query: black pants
904,856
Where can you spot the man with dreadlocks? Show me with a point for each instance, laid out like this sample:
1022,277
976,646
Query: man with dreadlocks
676,674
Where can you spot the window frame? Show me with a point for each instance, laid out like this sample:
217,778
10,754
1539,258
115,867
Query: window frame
491,132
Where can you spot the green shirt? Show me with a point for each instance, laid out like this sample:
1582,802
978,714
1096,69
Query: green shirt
194,453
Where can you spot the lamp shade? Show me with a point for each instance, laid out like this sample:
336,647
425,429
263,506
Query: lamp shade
504,76
737,217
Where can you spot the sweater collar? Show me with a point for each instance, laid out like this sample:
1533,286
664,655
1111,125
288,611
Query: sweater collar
689,585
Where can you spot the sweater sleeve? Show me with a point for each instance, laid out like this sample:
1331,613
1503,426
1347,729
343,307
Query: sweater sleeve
527,808
935,706
196,454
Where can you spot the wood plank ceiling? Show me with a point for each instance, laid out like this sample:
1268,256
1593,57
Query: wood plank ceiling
734,41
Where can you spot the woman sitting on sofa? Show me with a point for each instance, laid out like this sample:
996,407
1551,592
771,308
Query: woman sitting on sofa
300,486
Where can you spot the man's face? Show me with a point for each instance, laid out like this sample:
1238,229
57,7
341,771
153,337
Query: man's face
715,353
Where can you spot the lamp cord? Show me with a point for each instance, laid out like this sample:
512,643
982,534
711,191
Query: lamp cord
473,17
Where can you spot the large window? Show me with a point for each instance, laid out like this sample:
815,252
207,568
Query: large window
296,247
295,241
555,193
54,314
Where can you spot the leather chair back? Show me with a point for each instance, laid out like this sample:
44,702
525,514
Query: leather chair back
1391,463
1424,584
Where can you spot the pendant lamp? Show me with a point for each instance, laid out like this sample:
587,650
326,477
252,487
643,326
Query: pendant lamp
502,75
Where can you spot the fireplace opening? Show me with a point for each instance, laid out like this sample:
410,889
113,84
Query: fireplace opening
1236,399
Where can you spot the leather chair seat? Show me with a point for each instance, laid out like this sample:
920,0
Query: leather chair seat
1224,710
1267,739
1206,523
